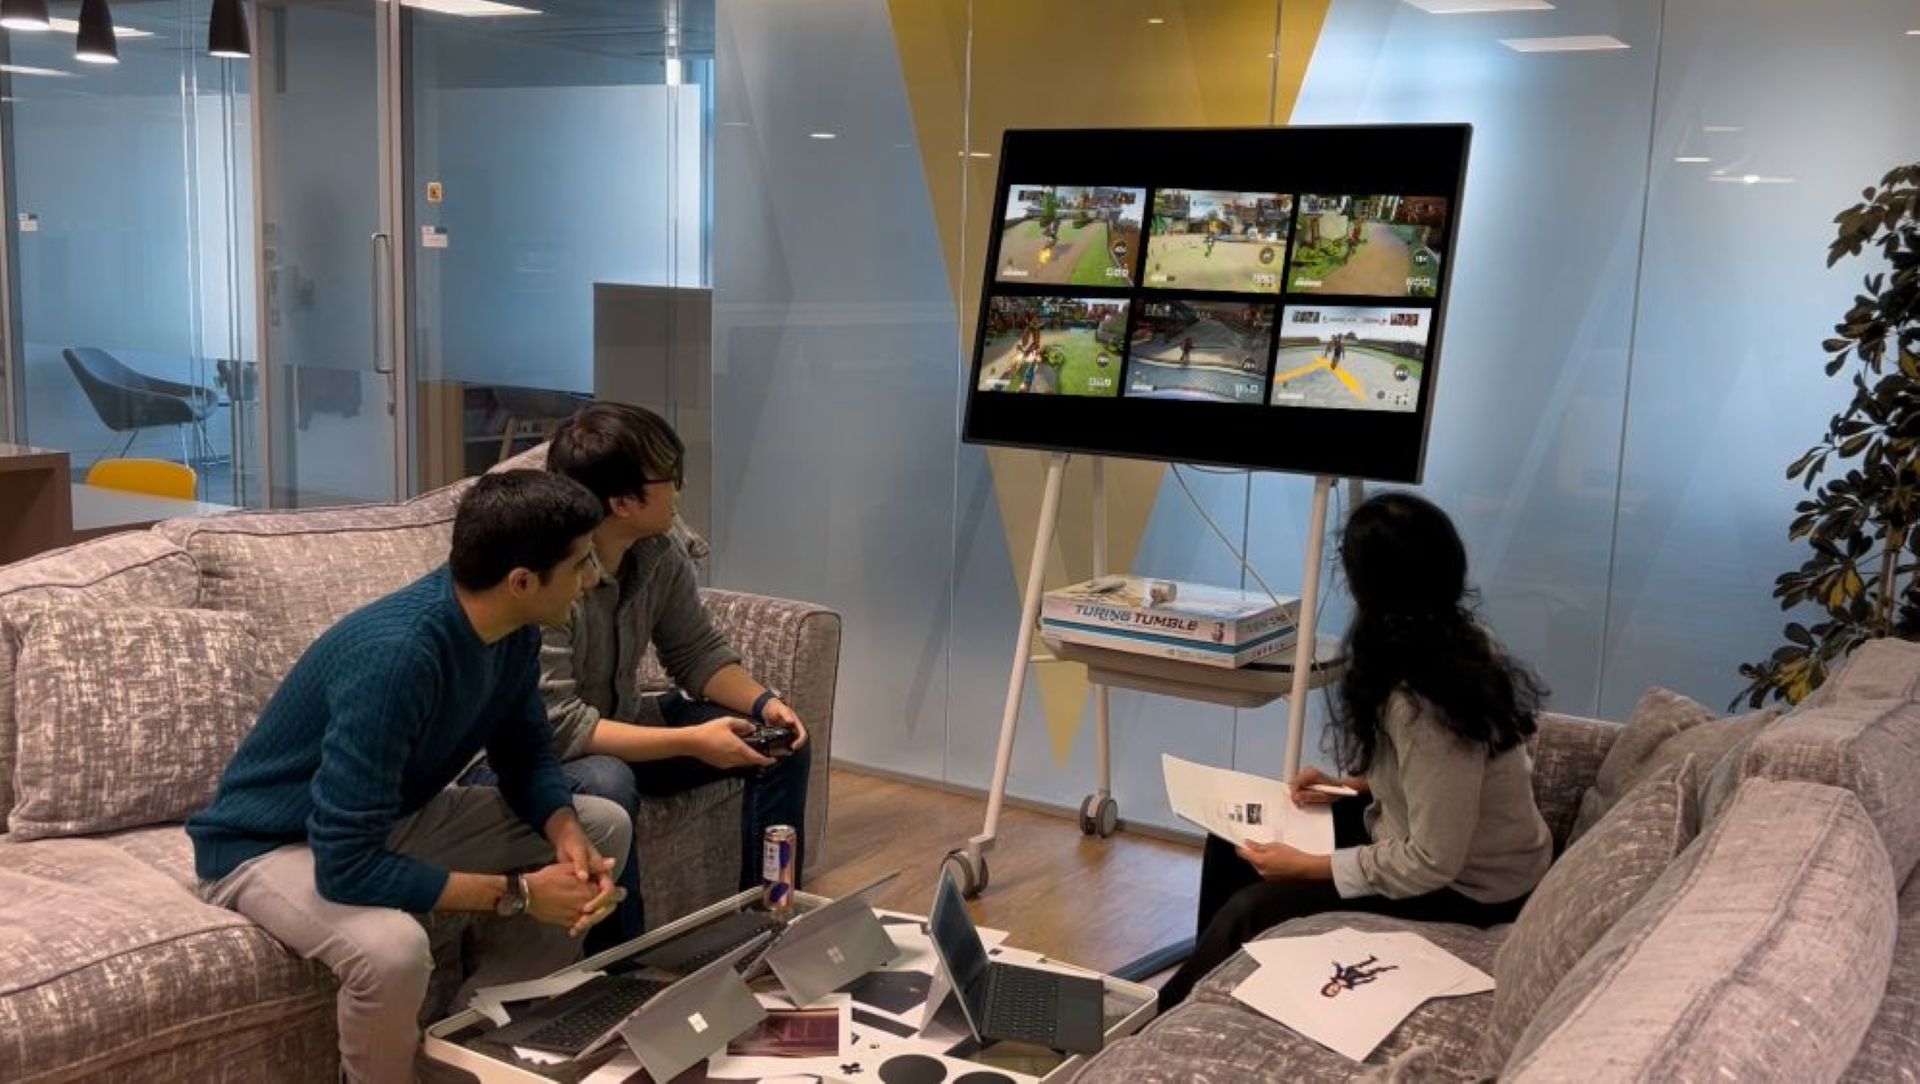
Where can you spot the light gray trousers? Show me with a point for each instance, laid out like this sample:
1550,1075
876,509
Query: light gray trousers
381,955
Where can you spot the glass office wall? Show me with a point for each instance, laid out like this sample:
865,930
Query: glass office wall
559,194
129,232
1632,350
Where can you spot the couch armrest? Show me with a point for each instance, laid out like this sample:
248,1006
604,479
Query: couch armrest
793,647
1567,751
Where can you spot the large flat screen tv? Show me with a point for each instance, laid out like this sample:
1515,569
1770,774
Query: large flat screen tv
1270,298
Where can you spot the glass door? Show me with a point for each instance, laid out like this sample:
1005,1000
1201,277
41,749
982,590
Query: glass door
559,195
331,258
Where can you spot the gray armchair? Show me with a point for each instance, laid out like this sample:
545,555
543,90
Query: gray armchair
128,402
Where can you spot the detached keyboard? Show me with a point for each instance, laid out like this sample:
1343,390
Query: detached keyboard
582,1024
1021,1004
697,948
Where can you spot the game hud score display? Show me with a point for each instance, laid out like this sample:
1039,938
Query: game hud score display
1255,297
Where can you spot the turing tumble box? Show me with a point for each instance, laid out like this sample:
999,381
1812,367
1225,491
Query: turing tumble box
1213,626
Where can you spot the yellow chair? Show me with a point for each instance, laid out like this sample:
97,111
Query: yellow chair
154,477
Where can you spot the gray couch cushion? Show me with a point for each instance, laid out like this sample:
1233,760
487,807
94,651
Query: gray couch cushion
1584,894
1665,728
126,716
1567,754
1421,1065
1451,1025
1891,1051
127,569
1760,955
688,847
1869,747
299,572
105,961
1876,670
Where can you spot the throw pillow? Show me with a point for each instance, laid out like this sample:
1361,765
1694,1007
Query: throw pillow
1664,729
126,717
1584,894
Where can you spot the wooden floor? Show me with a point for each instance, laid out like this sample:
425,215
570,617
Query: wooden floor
1097,903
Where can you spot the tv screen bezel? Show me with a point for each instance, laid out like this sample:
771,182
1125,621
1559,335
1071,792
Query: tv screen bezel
1362,160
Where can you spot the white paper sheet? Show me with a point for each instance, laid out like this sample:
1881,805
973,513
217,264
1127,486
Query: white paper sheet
1239,807
1348,989
539,1057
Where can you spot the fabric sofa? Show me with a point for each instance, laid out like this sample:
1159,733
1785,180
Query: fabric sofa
1774,934
111,968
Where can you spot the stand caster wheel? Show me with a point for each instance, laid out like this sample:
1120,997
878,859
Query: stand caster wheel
1099,816
972,881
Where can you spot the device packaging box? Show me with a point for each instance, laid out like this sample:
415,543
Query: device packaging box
1213,626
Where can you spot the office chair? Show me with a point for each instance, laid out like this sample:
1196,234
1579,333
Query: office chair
154,477
128,402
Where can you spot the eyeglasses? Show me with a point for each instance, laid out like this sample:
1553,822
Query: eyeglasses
677,478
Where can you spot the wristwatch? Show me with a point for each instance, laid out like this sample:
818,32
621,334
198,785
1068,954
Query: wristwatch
759,712
513,902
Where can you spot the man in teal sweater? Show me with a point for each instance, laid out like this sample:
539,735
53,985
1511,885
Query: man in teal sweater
334,826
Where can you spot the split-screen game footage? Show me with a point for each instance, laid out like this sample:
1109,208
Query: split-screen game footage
1213,351
1380,246
1054,346
1072,236
1351,358
1201,239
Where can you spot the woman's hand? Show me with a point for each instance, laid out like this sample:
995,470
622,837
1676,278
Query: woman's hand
1279,862
1306,779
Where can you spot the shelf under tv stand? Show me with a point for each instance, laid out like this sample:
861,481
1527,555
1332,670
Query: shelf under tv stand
1313,662
1252,686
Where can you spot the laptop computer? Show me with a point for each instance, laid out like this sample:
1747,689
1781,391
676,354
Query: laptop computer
694,1019
705,943
590,1016
831,946
1007,1003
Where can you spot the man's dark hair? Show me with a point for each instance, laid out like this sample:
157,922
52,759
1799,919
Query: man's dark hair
519,519
614,449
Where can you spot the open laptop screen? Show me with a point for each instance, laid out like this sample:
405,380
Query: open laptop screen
960,949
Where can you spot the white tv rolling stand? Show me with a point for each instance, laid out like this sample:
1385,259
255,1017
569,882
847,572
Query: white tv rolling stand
1315,659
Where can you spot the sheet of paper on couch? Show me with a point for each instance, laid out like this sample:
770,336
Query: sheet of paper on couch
1238,807
1348,989
491,1001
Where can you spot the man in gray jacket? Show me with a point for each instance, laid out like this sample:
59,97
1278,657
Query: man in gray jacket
614,742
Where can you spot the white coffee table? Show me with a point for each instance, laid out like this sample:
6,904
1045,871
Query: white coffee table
1129,1006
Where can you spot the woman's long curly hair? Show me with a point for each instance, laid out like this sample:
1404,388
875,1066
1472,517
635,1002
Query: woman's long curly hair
1413,629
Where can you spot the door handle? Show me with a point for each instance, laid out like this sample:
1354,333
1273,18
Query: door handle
380,362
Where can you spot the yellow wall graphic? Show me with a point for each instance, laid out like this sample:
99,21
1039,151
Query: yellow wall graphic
1078,64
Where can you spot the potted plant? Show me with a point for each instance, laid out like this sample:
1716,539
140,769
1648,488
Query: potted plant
1863,521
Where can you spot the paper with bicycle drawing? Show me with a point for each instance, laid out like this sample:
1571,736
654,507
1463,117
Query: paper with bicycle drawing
1239,807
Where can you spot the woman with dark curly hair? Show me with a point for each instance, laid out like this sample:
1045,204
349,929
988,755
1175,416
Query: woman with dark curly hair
1429,722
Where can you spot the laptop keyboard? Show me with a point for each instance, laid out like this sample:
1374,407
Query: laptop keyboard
582,1025
1021,1005
697,948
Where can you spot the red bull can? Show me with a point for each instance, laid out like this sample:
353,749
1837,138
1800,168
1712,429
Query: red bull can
779,854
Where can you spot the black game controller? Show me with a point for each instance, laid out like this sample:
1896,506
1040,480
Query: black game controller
769,740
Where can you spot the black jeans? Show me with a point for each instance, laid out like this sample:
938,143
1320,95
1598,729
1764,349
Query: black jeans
775,795
1238,905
